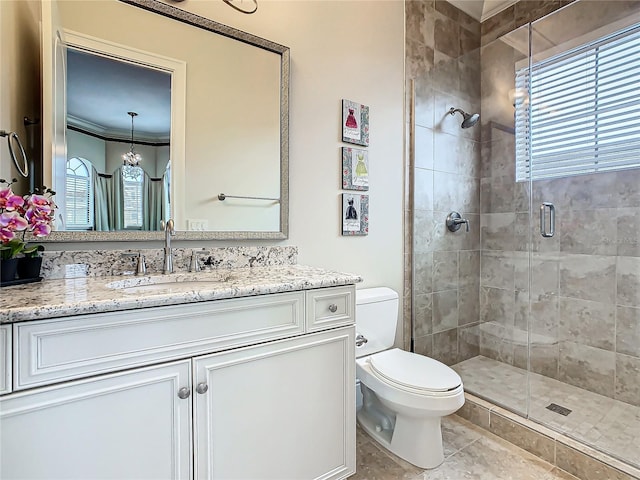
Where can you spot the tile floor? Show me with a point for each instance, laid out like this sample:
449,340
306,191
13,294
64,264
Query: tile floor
471,453
602,422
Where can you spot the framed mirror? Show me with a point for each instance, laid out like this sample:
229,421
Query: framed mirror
206,115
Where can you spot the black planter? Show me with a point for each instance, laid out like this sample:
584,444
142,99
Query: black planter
29,267
8,269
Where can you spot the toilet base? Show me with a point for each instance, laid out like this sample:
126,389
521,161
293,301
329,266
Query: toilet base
416,440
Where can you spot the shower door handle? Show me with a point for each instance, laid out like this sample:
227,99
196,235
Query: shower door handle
544,206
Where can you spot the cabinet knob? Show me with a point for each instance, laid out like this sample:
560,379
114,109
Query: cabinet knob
202,388
184,392
333,308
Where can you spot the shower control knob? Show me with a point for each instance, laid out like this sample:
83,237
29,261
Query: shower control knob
184,392
333,308
202,388
455,221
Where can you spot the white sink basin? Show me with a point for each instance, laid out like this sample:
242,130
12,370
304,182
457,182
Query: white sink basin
170,283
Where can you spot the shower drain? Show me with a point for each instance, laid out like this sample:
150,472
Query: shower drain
558,409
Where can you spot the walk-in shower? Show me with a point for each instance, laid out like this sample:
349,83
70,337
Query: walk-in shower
537,306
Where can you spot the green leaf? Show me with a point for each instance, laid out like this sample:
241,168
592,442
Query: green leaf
11,249
33,250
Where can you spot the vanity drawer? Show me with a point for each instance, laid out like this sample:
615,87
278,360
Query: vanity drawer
5,359
330,307
50,351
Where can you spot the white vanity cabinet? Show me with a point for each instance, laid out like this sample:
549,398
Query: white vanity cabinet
229,389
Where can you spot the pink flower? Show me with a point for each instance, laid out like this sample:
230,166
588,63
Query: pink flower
41,230
6,235
32,213
36,215
40,210
39,200
9,200
13,221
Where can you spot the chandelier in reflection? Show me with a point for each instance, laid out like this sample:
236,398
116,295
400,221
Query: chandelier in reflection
131,158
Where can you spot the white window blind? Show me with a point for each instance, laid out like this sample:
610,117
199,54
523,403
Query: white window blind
132,179
78,198
582,114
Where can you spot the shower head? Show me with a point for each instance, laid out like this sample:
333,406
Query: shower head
469,120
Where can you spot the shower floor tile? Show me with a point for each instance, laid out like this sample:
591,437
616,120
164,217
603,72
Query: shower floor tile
602,422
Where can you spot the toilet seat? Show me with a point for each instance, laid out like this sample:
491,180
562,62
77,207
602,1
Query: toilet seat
414,373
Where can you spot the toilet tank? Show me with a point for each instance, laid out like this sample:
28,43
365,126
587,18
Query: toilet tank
376,319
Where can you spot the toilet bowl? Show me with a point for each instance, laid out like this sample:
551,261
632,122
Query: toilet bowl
404,395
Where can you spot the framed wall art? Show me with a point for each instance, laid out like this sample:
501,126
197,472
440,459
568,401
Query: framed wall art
355,123
355,169
355,214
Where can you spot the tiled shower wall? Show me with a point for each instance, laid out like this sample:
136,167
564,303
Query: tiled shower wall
466,296
585,281
442,269
443,59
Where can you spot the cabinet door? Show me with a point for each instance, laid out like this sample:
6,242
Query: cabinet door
129,425
282,410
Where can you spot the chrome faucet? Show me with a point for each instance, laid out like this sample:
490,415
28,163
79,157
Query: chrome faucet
169,231
194,265
141,267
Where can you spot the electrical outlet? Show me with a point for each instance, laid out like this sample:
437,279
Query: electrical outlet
197,225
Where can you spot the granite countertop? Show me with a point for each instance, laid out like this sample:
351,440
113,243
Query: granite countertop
76,296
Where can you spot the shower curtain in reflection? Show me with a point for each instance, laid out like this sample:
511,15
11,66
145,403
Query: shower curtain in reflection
108,213
153,204
109,201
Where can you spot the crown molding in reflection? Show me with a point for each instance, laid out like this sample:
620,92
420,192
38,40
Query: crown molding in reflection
120,140
114,135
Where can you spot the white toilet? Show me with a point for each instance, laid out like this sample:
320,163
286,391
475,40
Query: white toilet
404,395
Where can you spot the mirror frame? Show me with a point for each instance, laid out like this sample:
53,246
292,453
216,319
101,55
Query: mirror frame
158,7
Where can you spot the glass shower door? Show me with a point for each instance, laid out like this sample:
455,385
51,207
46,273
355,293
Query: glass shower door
499,372
581,152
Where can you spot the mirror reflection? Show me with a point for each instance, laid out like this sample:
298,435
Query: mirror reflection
224,108
118,128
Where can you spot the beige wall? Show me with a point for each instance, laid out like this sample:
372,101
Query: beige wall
19,76
339,49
